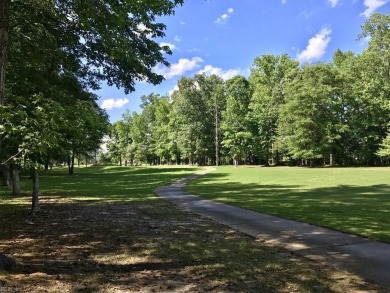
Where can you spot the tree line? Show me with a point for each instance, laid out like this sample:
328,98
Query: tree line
53,55
334,113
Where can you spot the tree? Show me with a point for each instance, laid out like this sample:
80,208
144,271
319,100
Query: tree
162,132
307,125
373,85
61,49
197,107
4,32
66,38
218,105
138,132
119,141
267,78
235,119
85,126
384,148
115,39
30,129
189,111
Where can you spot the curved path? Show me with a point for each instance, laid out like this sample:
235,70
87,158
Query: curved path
366,258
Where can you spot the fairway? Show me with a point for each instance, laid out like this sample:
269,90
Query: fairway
352,200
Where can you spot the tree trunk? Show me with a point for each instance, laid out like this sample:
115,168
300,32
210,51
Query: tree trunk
235,162
68,163
15,180
4,31
35,194
5,175
216,137
71,164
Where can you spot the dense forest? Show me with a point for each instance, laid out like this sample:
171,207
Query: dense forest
334,113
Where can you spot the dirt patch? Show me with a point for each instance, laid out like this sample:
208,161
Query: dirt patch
100,247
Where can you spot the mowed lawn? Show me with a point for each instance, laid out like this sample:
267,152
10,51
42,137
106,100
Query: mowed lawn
104,230
353,200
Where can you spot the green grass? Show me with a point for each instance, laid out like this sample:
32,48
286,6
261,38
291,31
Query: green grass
108,183
112,183
104,184
103,230
353,200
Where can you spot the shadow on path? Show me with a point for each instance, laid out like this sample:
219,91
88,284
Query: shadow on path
366,258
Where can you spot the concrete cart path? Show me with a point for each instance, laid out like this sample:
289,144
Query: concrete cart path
366,258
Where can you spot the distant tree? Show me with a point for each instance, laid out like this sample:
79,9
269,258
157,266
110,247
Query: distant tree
162,132
217,104
119,142
267,81
373,85
84,130
237,137
139,134
384,147
307,127
189,111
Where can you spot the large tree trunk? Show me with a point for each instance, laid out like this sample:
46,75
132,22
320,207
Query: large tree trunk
35,194
4,31
5,178
15,179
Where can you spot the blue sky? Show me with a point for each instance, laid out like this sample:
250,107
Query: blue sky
224,36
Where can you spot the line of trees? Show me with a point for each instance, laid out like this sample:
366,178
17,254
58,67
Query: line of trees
325,113
53,56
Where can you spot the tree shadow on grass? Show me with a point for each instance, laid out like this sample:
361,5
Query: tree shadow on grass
100,247
106,183
360,210
144,243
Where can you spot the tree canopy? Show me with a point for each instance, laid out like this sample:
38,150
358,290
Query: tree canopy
283,113
53,55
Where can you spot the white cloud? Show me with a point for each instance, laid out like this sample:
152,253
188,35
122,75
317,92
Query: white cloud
193,50
316,47
178,69
170,45
364,41
172,90
110,104
224,17
177,39
284,1
333,3
372,6
210,70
